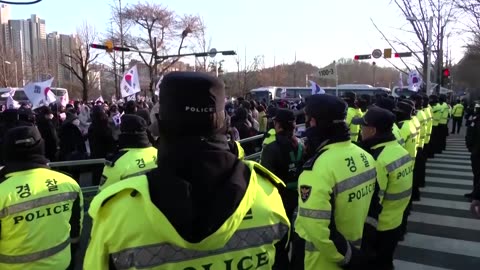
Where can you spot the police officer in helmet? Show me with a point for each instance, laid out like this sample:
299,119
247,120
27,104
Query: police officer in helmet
202,207
41,210
336,187
394,176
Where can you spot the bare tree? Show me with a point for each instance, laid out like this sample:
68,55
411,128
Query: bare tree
163,31
82,57
8,67
471,8
443,12
201,44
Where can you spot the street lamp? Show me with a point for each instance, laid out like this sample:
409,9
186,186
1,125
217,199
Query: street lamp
16,72
429,45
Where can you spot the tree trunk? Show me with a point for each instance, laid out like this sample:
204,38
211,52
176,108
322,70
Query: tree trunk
85,86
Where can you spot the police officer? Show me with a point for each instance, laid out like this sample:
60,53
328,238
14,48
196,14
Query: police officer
41,210
457,116
202,208
335,188
472,140
436,128
353,111
284,158
270,134
403,112
427,148
442,124
395,170
388,103
420,159
136,153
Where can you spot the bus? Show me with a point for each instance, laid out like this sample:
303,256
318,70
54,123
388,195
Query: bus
271,93
403,91
61,95
358,89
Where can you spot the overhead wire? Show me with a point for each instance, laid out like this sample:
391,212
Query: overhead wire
20,3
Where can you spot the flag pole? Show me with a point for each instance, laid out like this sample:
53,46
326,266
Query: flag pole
336,78
306,80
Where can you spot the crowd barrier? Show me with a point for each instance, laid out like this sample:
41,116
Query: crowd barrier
90,191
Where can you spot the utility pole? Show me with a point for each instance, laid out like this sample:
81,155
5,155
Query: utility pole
114,57
121,34
295,70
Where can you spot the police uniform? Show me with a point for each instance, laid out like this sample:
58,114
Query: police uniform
332,212
457,115
136,153
41,210
427,109
445,113
394,176
213,210
436,129
420,159
269,137
389,104
352,112
408,130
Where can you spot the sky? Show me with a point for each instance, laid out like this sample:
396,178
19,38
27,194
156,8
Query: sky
313,31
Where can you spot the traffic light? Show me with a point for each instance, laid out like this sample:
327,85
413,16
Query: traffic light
362,57
387,53
98,46
109,45
403,54
445,77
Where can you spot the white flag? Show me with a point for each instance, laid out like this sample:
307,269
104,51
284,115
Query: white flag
328,72
39,93
414,81
130,84
100,99
316,89
11,103
157,87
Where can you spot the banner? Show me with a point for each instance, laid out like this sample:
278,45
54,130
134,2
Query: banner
316,89
414,81
39,93
130,84
328,72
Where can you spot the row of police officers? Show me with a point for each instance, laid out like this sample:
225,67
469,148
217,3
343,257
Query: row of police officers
195,204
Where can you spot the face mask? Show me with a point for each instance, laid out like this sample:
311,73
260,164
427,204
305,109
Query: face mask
50,116
76,122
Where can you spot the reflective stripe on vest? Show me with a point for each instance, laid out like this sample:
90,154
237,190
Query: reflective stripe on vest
316,214
24,206
372,222
11,259
398,163
348,254
398,196
354,181
159,254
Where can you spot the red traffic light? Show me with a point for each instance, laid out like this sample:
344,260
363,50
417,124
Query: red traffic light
362,57
446,72
403,54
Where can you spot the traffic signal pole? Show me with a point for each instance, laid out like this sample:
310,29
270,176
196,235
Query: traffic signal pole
429,57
